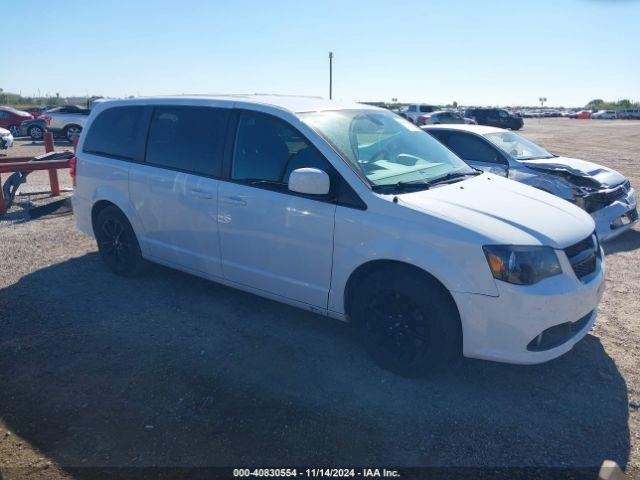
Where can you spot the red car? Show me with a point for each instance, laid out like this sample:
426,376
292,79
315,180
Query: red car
10,118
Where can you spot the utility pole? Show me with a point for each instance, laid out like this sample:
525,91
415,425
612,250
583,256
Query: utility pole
330,75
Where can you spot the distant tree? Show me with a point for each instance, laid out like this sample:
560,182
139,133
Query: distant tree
594,104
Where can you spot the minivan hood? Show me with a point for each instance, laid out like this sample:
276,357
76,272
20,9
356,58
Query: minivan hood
601,175
505,211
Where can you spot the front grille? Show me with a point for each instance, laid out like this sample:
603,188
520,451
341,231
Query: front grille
558,334
583,256
596,201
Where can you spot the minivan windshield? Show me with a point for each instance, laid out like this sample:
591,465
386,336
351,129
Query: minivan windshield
518,147
385,148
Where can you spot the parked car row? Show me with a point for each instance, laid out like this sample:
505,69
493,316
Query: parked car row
629,113
348,211
65,121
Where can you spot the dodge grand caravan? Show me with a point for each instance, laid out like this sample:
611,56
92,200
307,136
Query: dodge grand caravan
346,210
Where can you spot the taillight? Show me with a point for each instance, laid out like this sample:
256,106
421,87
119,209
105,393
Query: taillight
73,161
47,120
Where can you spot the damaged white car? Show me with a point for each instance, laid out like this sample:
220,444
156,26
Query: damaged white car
6,139
604,193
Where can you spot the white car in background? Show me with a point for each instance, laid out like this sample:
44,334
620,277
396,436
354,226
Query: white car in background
604,193
345,210
6,139
604,115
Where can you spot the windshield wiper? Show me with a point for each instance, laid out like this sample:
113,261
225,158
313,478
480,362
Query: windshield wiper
400,187
450,177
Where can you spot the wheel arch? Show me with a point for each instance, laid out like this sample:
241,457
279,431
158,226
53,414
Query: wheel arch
103,201
99,206
371,266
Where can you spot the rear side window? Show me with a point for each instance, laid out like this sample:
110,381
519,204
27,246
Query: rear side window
188,139
118,132
268,149
468,147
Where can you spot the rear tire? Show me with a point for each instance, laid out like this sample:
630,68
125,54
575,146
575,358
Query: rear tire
406,321
72,131
36,133
15,130
117,243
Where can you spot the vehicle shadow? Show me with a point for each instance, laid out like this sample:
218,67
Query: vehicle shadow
171,370
626,242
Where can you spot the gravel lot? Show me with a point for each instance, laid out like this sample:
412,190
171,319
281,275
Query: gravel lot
172,370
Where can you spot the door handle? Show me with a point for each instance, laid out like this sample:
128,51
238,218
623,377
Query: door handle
234,200
201,193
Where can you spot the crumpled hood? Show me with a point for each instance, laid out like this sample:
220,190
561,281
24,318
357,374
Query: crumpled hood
504,211
606,177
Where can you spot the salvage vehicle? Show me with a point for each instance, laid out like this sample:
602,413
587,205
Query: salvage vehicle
6,139
34,128
345,210
66,122
414,111
443,116
494,117
604,193
629,113
10,119
604,115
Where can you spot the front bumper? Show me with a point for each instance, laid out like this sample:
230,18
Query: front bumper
616,218
502,328
6,142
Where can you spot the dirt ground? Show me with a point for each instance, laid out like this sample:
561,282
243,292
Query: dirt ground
172,370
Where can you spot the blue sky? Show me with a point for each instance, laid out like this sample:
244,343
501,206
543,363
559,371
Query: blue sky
474,52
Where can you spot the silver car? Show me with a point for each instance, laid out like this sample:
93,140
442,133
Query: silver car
604,193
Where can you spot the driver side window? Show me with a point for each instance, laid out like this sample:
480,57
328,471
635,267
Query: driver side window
468,147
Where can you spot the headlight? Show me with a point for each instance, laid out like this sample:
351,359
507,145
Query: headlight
521,265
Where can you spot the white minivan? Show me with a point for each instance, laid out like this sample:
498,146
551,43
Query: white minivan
346,210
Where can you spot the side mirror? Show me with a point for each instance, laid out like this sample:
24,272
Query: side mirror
310,181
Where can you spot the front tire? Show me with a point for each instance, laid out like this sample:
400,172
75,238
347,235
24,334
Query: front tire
117,243
406,321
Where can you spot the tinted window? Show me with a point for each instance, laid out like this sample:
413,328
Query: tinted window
426,108
412,108
188,138
439,135
118,132
468,147
269,149
503,113
4,115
